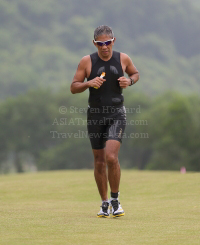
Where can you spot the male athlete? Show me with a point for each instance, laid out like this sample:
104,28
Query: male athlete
106,116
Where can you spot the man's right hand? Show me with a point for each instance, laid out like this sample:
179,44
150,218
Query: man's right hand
96,82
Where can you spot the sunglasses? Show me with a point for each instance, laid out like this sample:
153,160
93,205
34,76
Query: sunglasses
108,42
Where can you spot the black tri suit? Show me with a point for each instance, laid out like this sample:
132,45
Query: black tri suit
106,115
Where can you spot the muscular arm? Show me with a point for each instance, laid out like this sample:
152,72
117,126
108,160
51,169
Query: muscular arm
130,69
78,85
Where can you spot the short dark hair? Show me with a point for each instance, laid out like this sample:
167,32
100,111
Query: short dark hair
103,30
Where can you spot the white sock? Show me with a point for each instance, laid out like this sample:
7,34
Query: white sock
111,199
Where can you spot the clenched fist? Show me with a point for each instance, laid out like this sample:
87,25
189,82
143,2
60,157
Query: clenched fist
124,82
96,82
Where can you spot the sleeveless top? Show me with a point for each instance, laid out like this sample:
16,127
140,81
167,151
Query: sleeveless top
110,93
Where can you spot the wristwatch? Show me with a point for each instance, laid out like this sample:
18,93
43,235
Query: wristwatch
132,81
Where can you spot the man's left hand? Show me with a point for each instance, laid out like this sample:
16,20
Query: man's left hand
124,82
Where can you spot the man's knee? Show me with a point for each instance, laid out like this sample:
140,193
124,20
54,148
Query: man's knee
99,160
111,159
100,166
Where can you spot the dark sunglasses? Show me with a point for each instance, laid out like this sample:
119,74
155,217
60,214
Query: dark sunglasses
108,42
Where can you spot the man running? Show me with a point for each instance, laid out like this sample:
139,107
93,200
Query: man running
106,116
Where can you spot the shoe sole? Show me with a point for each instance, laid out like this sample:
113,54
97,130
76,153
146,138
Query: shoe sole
118,215
103,216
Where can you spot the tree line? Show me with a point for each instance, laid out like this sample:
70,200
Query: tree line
45,130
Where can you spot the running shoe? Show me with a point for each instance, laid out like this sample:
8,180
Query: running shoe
117,209
104,211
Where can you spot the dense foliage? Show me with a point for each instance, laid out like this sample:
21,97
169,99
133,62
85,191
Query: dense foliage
44,130
41,42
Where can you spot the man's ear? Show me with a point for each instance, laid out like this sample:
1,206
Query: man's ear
94,43
114,40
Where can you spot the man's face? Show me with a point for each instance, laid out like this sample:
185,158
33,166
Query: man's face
104,51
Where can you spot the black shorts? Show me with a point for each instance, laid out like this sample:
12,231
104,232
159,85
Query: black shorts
105,123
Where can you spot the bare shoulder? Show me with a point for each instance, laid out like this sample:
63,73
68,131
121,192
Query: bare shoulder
85,66
125,58
85,61
125,61
86,58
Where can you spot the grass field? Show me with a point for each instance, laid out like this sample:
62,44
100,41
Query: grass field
57,208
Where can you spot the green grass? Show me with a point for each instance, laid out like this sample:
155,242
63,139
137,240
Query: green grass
60,208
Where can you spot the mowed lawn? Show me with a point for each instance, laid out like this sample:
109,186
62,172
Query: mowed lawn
60,208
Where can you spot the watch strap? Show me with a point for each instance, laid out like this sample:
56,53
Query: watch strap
132,81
